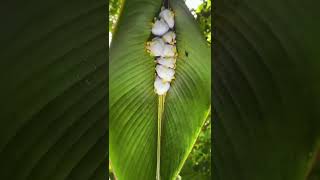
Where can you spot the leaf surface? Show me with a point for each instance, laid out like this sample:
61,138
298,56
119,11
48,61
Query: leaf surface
266,89
53,73
133,103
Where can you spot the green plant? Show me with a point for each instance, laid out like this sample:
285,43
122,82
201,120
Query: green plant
53,109
198,164
133,104
114,10
203,17
266,90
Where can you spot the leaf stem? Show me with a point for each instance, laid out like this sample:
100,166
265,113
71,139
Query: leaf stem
161,101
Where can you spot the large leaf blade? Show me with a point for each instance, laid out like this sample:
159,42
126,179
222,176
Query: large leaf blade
133,104
53,98
265,92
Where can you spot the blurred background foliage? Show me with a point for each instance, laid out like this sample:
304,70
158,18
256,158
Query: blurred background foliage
114,10
198,164
203,17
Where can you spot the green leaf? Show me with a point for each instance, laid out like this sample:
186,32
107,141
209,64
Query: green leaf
315,171
266,89
133,103
53,116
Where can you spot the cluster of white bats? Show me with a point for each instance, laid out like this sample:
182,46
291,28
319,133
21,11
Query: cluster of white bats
163,48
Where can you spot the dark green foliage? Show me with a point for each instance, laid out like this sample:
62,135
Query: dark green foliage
53,94
315,170
266,89
198,164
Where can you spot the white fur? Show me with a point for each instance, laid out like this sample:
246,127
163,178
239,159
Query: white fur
168,16
160,86
156,46
169,50
168,62
160,27
165,73
169,37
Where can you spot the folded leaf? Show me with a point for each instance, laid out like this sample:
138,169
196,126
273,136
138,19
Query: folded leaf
133,103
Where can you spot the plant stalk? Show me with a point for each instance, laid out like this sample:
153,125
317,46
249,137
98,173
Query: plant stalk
161,101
